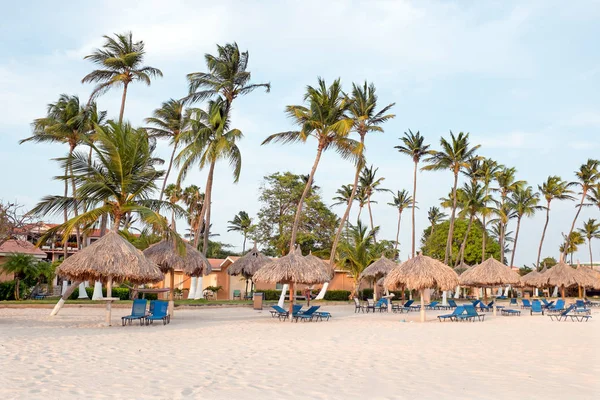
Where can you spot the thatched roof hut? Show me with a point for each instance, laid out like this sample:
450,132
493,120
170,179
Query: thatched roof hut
166,256
248,264
563,276
292,268
420,273
378,268
110,257
592,274
530,279
491,272
320,263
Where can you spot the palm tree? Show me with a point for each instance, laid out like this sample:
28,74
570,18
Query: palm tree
66,122
473,199
241,223
169,121
22,266
553,189
506,185
414,147
119,182
208,141
226,76
486,173
326,120
591,230
435,217
120,60
344,195
401,202
594,196
370,184
361,198
174,195
524,202
193,200
504,213
455,155
366,118
571,244
588,176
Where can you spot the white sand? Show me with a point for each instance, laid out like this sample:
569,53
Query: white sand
240,353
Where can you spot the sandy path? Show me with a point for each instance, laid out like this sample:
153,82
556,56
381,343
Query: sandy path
241,353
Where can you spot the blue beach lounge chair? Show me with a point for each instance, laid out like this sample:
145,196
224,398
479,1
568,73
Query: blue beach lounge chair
295,310
452,317
159,312
525,303
277,311
570,313
547,304
470,314
451,304
558,307
138,311
432,306
536,307
306,315
513,301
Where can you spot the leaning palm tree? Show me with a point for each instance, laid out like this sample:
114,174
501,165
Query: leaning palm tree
324,118
227,76
168,121
506,184
524,202
474,200
120,60
455,155
553,189
401,202
366,119
591,230
588,176
413,146
370,183
209,140
242,223
435,217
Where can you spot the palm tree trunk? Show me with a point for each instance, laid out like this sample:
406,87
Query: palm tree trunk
371,218
162,190
204,206
359,212
483,238
17,284
123,102
74,191
463,245
583,195
414,202
85,205
512,256
303,197
398,230
208,201
590,247
448,254
501,226
65,211
244,245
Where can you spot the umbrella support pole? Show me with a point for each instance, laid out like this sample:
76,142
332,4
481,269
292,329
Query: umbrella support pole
422,305
292,295
172,293
63,298
108,303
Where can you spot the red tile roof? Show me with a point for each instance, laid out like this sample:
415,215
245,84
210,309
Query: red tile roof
20,246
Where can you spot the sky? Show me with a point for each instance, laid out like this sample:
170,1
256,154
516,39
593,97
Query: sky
520,76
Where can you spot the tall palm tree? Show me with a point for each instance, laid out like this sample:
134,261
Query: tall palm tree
120,60
65,122
571,244
242,223
486,174
473,199
594,196
435,217
366,119
174,195
209,140
454,156
401,201
227,76
193,199
591,230
587,176
22,266
361,198
506,185
524,202
504,213
370,183
553,189
344,195
325,119
169,121
413,146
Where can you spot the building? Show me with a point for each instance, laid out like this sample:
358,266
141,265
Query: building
13,246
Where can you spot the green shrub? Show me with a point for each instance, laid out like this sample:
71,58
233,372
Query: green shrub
121,293
366,294
148,296
7,290
270,294
337,295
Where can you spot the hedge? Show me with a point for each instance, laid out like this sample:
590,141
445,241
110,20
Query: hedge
121,293
337,295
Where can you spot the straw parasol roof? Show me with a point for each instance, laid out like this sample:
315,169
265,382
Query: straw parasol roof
110,256
491,272
421,272
379,268
319,262
530,279
593,274
165,255
248,264
564,275
292,268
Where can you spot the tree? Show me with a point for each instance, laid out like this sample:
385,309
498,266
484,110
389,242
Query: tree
174,195
325,119
401,202
279,195
506,185
454,156
12,220
434,245
591,230
365,119
362,198
524,202
120,60
587,176
22,266
435,217
473,200
193,199
344,195
169,121
370,183
549,262
413,146
571,244
208,141
242,223
227,76
553,189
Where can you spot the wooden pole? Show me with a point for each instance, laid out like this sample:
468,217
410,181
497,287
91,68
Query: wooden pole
562,291
292,295
172,292
422,305
108,303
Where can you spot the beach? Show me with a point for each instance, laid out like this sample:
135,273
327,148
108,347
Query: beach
221,353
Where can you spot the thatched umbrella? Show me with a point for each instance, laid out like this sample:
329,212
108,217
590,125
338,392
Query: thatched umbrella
489,273
292,269
166,255
377,270
459,269
593,275
110,258
563,276
248,264
420,273
530,279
